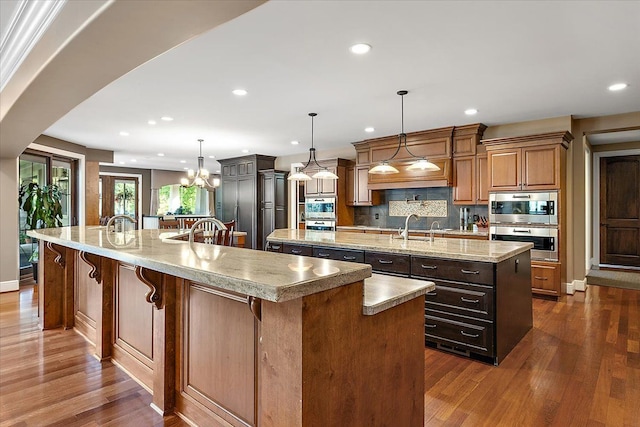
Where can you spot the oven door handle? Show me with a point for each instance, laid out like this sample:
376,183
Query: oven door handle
515,230
524,196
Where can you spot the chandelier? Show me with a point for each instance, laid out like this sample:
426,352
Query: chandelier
323,172
199,177
421,164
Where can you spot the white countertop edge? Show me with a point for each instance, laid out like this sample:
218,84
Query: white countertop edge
403,289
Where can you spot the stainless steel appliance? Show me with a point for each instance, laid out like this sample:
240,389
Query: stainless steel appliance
524,208
320,225
320,208
544,239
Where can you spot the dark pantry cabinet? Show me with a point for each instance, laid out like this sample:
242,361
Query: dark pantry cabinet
272,192
239,198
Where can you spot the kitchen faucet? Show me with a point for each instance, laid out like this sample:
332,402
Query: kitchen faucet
405,233
431,230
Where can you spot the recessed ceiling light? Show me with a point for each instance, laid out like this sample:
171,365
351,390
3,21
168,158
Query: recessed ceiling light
185,168
369,129
212,157
133,160
618,86
122,163
470,111
123,133
245,151
166,118
160,154
152,122
239,92
360,48
295,142
183,161
217,171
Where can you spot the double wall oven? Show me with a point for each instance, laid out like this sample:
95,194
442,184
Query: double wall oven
320,213
526,217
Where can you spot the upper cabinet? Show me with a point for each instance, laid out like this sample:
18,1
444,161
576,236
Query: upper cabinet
333,188
321,187
469,163
358,192
533,162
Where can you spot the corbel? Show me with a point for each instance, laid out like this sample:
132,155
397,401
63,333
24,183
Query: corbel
255,305
59,259
94,262
154,296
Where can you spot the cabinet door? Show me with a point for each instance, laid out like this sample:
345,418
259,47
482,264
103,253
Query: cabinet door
328,186
482,180
541,168
247,210
229,190
504,169
545,278
312,187
351,187
267,209
464,180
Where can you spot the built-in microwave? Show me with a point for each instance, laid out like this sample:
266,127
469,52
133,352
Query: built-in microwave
544,239
320,208
524,208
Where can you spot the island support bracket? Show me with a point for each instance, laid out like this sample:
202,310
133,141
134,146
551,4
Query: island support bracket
59,259
154,296
94,262
255,305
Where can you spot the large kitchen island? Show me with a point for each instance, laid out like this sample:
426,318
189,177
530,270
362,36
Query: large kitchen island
481,306
229,336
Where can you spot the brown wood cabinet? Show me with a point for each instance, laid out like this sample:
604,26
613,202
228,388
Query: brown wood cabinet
533,162
333,188
545,278
358,193
469,185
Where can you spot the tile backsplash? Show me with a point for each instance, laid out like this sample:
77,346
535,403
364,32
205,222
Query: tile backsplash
438,205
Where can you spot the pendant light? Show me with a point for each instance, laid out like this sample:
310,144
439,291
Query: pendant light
199,177
323,172
421,164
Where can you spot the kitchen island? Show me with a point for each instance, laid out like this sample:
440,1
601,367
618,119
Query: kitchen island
482,305
229,336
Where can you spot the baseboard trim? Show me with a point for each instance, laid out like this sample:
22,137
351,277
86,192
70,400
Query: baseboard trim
570,288
10,286
580,285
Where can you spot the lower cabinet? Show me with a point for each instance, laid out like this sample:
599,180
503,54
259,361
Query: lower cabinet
545,278
478,309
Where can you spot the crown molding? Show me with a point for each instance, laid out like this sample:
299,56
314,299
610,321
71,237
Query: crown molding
29,22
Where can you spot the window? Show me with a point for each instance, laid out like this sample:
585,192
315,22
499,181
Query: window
175,199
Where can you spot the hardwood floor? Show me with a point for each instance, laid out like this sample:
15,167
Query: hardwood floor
579,366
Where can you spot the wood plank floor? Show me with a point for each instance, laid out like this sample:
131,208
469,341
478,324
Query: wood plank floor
579,366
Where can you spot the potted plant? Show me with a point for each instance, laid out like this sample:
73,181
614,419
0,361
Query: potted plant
43,208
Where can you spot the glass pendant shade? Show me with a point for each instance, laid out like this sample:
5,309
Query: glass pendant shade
383,168
423,164
323,173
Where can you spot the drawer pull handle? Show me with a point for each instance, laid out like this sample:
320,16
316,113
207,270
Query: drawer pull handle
276,247
429,267
296,251
427,325
470,271
540,278
348,258
321,255
384,261
475,301
432,294
465,334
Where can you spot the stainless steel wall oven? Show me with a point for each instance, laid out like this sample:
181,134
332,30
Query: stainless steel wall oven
524,208
544,239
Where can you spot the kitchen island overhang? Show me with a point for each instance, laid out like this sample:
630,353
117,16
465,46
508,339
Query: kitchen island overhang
309,348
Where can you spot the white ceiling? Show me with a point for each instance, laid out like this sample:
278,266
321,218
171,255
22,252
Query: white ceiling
513,61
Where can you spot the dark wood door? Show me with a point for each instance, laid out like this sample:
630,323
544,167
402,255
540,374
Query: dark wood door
620,210
247,210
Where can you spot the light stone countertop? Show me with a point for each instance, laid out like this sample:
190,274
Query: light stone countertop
445,231
270,276
460,249
382,292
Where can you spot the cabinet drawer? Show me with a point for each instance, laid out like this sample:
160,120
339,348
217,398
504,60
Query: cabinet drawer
297,250
460,271
388,263
275,247
338,254
461,298
475,335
